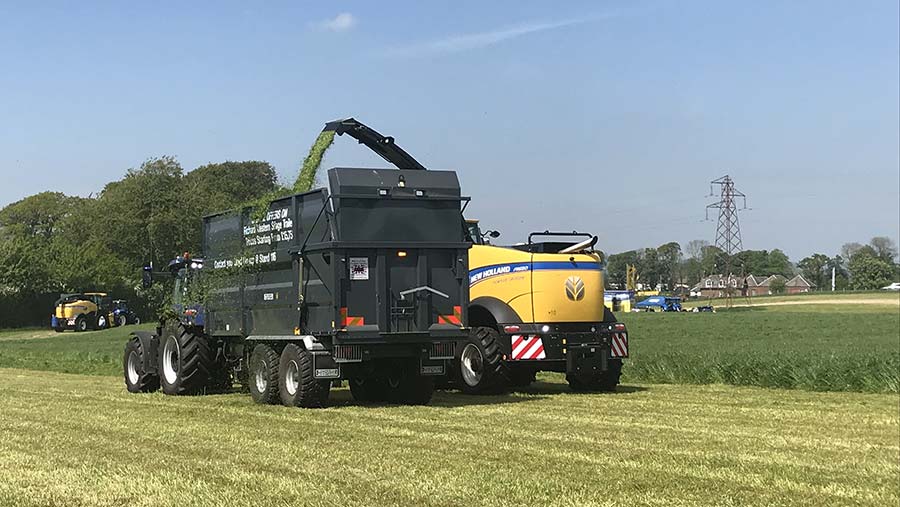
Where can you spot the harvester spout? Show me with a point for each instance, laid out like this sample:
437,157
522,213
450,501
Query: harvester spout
384,146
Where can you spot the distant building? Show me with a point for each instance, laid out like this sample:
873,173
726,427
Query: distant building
716,286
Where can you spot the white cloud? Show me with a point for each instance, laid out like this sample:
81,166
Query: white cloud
466,42
340,23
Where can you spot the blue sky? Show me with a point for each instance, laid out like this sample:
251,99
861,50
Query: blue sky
609,117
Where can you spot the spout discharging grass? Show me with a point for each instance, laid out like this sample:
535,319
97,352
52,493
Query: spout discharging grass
307,177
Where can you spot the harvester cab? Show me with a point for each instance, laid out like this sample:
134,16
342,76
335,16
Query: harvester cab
82,312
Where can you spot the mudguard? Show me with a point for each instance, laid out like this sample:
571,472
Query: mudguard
150,343
502,312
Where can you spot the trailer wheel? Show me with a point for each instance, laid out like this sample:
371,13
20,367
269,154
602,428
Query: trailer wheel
369,389
263,374
81,323
185,362
297,385
480,368
406,387
137,380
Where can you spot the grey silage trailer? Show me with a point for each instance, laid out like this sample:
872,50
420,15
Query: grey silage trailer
366,281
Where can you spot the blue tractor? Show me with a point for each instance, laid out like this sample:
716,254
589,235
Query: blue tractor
659,304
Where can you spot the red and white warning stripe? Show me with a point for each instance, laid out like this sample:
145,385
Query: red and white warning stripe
619,345
527,347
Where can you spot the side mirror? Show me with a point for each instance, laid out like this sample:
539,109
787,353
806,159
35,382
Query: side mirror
147,277
494,234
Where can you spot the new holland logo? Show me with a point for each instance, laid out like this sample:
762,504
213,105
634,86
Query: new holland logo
575,288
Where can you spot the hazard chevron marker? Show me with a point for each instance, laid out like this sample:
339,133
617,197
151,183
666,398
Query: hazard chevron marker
527,347
619,345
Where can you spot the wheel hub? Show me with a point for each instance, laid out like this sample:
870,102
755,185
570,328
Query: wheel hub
171,358
292,378
133,376
471,365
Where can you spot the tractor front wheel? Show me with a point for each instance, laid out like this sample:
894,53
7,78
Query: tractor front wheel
137,379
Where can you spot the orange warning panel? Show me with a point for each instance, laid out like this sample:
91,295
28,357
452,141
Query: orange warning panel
455,319
349,320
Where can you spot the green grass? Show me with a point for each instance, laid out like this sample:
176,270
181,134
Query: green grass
836,347
90,353
83,441
824,347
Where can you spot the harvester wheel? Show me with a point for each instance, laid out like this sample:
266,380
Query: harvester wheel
297,385
186,363
605,381
405,386
81,324
137,380
480,368
521,377
263,372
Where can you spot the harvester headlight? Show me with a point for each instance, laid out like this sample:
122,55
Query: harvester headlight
545,328
193,265
382,191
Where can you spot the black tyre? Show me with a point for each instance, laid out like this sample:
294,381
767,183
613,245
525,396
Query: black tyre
121,320
479,366
59,329
605,381
368,389
137,380
263,374
296,384
521,377
137,320
405,386
102,322
81,324
186,364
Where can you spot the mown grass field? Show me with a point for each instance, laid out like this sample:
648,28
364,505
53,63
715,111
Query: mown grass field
83,441
835,345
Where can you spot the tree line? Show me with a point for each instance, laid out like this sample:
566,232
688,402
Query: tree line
52,243
856,267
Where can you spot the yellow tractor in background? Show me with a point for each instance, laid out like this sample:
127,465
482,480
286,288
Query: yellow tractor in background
82,312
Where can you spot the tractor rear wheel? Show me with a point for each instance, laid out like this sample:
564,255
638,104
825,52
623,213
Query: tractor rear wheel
263,373
137,379
480,368
186,363
297,384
